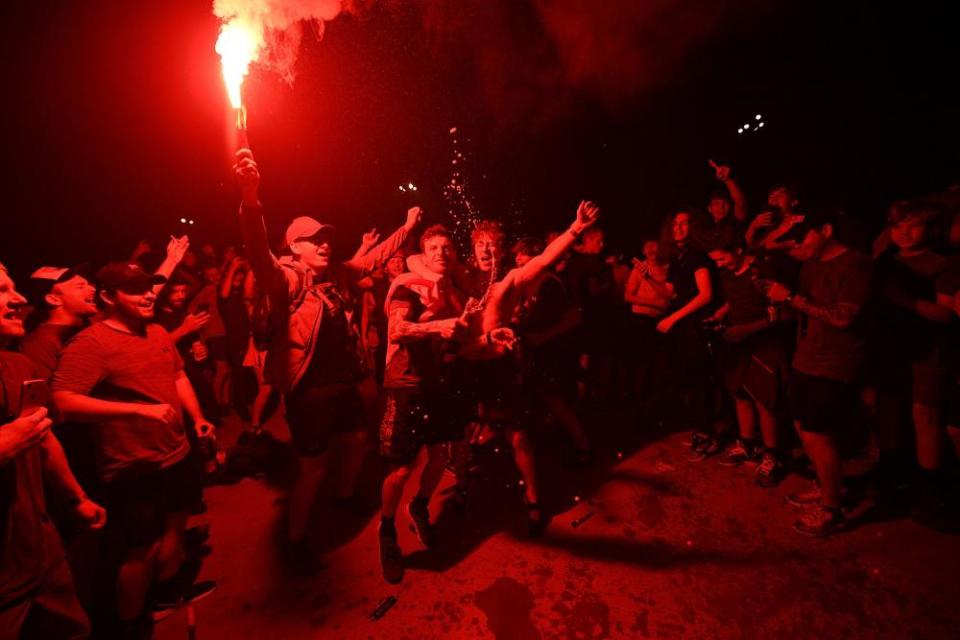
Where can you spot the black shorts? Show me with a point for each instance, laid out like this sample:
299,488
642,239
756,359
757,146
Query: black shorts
755,368
821,405
497,387
137,508
318,413
413,418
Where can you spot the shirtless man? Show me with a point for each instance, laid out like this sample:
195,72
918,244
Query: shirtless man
488,343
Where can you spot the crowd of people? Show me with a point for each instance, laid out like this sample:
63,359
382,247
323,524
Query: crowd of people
779,340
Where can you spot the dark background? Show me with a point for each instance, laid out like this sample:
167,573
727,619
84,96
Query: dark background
116,123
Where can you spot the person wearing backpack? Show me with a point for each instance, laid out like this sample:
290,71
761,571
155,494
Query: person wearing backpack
313,350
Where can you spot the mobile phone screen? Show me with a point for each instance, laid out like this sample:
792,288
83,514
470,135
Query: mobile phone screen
34,394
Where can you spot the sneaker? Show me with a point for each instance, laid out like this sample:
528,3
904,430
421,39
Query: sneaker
769,472
820,521
391,557
707,448
736,455
698,442
163,606
804,499
420,517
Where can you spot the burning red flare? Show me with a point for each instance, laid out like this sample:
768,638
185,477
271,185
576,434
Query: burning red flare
238,46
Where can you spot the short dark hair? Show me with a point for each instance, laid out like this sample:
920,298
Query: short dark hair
927,211
528,246
437,230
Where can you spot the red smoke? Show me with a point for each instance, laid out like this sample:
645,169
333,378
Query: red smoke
537,56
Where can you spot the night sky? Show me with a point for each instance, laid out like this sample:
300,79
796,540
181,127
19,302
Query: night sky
116,120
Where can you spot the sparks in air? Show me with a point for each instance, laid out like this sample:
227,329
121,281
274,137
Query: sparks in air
237,46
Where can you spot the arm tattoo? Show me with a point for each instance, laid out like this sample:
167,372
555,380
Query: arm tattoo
840,315
403,330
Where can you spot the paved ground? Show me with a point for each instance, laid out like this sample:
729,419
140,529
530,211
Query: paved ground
673,549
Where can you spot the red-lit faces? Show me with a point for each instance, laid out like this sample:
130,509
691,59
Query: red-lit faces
909,233
76,296
439,254
11,307
486,250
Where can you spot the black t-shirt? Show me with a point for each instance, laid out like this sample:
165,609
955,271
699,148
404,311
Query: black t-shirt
747,302
913,277
44,344
593,287
419,364
824,350
683,267
28,542
335,357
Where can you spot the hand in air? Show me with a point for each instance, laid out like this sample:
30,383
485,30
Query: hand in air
177,247
723,171
414,216
248,175
371,238
587,214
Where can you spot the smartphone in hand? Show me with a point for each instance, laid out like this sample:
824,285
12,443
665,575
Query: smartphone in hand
35,394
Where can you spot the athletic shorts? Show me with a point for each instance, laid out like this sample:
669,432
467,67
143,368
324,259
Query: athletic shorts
318,413
822,405
755,368
137,508
413,418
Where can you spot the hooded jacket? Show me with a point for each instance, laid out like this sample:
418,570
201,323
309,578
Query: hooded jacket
295,296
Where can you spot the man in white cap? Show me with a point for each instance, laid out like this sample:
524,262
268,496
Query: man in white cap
314,356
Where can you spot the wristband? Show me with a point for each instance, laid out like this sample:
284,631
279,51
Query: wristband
76,500
576,234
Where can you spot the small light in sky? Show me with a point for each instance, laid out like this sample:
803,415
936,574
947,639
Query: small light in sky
757,117
402,188
760,125
740,130
746,126
411,186
183,221
191,222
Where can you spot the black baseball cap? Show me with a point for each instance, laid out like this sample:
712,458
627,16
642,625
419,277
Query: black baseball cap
127,275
